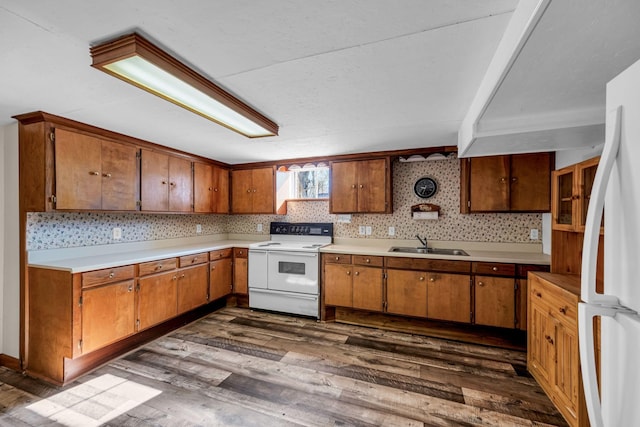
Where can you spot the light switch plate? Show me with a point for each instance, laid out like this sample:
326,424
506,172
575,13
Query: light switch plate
392,231
259,228
117,233
368,230
198,228
534,234
362,230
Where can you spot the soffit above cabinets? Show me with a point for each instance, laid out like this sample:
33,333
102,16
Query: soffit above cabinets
545,89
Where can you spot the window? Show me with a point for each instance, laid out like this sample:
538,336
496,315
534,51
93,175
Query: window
304,183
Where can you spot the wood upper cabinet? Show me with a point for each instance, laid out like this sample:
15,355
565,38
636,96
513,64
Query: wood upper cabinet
571,191
449,297
240,271
360,186
253,191
495,301
108,314
166,182
210,189
509,183
94,174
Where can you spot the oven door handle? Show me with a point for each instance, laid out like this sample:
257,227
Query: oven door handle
298,254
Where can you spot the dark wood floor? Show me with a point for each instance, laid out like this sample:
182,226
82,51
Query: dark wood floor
242,368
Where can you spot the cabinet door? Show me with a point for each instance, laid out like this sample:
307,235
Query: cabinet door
180,185
263,191
449,297
338,289
586,174
344,191
119,177
202,188
220,278
489,184
240,275
495,301
367,288
407,292
193,287
372,184
530,182
562,199
157,298
78,167
108,314
541,336
566,373
154,181
241,191
220,202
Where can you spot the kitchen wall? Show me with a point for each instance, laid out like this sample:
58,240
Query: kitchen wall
451,226
59,230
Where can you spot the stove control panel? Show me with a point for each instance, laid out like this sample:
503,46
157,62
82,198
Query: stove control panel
302,228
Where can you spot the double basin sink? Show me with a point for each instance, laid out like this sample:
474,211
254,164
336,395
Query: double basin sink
434,251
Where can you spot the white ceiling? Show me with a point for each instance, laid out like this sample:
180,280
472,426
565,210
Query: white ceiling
338,76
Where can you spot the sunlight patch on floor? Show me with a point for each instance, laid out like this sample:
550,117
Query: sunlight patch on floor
94,402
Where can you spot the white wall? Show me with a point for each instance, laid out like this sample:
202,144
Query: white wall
9,243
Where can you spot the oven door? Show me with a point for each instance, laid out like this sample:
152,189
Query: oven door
293,271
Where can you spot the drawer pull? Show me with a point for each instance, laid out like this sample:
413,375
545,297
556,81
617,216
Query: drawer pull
112,275
480,283
538,294
95,173
337,258
548,338
432,279
421,278
563,310
357,273
159,267
130,288
367,261
495,268
194,260
348,273
174,278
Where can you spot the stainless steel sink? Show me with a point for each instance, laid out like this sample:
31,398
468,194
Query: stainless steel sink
435,251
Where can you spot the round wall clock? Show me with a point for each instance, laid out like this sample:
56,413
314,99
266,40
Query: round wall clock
425,187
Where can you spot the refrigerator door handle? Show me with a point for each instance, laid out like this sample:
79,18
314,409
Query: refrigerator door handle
586,313
594,213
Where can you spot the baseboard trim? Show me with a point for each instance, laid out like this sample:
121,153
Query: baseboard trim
10,362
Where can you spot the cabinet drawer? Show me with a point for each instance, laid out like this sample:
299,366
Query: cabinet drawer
494,269
337,258
375,261
425,264
240,252
523,269
219,254
194,259
107,275
151,267
561,304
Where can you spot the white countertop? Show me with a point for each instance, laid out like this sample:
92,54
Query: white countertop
79,260
82,259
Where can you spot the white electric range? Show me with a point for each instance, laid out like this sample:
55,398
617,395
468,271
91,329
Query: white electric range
284,272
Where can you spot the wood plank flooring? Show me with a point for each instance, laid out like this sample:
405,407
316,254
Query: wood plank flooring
237,367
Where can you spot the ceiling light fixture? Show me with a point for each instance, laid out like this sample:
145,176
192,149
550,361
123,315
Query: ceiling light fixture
137,61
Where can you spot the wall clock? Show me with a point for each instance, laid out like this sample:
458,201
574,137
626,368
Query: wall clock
425,187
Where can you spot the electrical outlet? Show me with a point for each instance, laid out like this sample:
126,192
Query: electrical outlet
362,230
198,228
534,234
392,231
259,228
117,233
368,230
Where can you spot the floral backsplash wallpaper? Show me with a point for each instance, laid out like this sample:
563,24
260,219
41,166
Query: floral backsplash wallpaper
57,230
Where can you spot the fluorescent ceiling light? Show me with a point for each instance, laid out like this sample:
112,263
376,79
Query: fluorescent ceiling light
135,60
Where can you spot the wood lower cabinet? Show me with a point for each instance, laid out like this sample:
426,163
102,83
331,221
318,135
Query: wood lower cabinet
449,297
157,298
552,352
108,314
253,191
353,281
338,289
240,271
495,301
220,278
193,287
406,293
367,288
361,186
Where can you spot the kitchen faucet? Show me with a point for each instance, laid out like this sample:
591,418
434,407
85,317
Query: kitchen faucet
422,242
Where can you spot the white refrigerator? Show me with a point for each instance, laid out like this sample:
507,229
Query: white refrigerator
617,187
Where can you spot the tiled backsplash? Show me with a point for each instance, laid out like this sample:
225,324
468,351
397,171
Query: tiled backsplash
59,230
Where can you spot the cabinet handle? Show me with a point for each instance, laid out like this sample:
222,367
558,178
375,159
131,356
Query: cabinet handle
367,260
495,268
130,288
194,260
215,190
112,275
159,267
337,258
106,175
548,338
249,190
514,179
174,278
538,294
172,183
164,182
480,283
210,188
563,310
353,186
361,186
432,279
357,273
348,273
94,173
503,180
254,190
421,278
213,267
182,277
